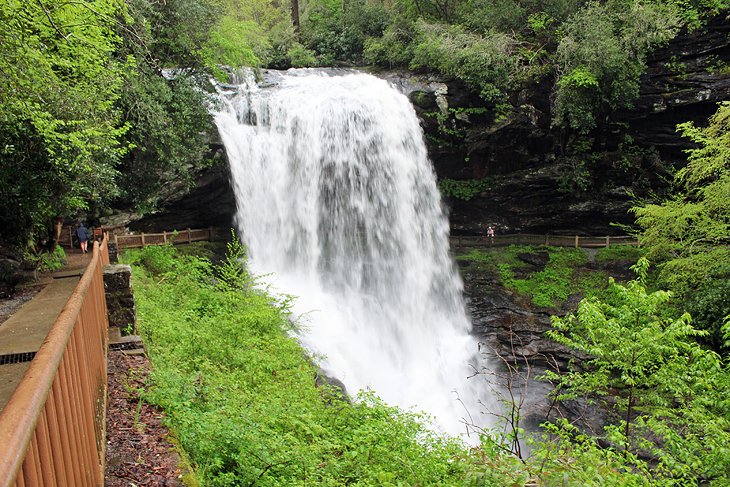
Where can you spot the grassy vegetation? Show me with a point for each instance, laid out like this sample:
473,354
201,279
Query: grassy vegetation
48,261
562,276
240,394
619,253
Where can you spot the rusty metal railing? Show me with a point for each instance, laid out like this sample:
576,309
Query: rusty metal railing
52,429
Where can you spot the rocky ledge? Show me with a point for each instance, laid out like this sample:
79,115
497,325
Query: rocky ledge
512,335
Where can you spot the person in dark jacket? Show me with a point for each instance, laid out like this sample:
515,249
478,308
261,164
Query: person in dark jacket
83,235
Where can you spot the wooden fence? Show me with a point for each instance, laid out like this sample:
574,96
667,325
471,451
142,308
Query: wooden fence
52,430
531,239
136,240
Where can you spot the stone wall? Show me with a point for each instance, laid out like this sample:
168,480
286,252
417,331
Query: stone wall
120,304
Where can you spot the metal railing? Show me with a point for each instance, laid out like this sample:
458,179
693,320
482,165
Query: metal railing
52,429
136,240
532,239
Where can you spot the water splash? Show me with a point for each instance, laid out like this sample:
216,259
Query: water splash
337,199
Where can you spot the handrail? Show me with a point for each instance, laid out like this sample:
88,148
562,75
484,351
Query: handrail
186,236
576,241
52,430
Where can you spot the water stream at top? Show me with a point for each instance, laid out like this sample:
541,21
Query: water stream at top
337,200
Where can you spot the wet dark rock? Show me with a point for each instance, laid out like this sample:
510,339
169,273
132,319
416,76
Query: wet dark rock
512,334
11,274
537,259
210,203
528,165
322,379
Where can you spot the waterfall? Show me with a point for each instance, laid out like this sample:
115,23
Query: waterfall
337,201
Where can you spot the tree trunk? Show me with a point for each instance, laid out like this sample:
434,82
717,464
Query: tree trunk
295,15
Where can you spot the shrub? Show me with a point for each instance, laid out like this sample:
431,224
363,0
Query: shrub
240,395
601,55
53,260
463,189
482,62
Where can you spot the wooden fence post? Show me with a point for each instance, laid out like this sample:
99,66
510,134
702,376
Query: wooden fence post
116,242
164,236
608,240
547,240
190,237
576,241
142,239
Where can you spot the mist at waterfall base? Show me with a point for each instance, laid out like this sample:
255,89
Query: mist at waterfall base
337,202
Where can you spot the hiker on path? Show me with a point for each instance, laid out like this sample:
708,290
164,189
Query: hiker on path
83,235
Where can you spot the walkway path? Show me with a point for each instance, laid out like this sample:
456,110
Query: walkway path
23,333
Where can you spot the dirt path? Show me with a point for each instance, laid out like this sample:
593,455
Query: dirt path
138,452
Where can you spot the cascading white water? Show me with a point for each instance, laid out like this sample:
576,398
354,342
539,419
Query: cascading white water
338,201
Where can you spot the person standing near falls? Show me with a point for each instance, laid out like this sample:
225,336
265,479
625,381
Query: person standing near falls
83,235
490,234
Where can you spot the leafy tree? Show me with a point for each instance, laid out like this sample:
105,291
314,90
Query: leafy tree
61,132
170,121
601,54
179,29
688,235
163,101
483,63
670,394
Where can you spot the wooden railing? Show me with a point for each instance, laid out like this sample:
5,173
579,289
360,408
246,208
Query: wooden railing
52,429
531,239
136,240
67,237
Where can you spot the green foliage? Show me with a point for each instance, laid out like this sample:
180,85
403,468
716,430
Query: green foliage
669,393
394,48
60,132
601,54
240,395
300,56
48,261
550,287
688,234
175,31
569,457
232,43
339,32
463,189
576,178
553,285
626,253
484,16
169,121
482,62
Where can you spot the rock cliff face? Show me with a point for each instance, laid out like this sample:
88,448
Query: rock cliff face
511,330
531,177
534,177
210,203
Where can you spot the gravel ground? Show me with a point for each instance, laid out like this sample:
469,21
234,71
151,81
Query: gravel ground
138,452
